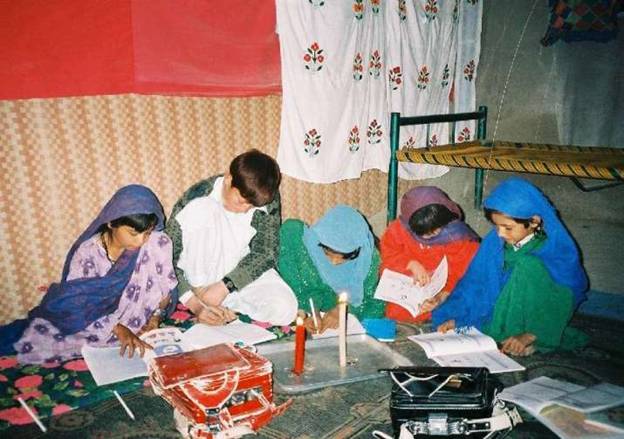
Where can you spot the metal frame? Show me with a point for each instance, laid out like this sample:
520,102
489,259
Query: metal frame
396,122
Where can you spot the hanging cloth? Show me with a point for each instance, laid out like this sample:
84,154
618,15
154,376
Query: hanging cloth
334,111
346,65
433,64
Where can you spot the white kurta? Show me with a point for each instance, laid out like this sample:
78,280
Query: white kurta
214,242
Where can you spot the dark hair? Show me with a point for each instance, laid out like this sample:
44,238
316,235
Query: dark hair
524,221
256,176
346,256
138,221
430,217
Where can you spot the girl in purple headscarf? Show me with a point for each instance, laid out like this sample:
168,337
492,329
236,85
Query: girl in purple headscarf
429,228
116,283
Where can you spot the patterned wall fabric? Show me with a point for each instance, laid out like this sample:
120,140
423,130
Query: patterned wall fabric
63,158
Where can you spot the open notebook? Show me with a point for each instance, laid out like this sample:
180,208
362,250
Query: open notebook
400,289
107,366
354,326
469,348
569,410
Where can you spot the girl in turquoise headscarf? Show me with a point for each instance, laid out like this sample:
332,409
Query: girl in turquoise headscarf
336,254
526,279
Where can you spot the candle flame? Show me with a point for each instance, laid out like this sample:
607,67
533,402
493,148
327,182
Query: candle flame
343,297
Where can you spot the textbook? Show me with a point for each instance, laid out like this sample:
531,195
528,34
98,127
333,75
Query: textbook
470,348
400,289
107,366
611,418
569,410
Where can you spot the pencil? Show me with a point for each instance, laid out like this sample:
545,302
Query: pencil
32,415
123,404
316,325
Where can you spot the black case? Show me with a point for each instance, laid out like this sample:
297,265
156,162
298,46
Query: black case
469,397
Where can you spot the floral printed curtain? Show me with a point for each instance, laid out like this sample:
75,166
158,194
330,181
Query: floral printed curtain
347,64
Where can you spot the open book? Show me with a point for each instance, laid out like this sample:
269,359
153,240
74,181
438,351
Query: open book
400,289
354,326
469,348
566,408
107,366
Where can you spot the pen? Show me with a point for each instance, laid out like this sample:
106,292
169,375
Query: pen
32,415
123,404
316,325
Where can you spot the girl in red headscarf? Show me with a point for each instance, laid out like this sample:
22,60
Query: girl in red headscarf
430,226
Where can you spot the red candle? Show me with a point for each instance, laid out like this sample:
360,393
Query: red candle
300,335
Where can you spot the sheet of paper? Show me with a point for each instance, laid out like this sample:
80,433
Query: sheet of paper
354,326
610,418
106,366
538,397
539,392
400,289
593,398
201,336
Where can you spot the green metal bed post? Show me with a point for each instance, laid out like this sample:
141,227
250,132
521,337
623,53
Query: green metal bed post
479,173
393,168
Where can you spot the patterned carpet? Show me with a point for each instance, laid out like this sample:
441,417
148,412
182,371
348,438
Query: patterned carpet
350,411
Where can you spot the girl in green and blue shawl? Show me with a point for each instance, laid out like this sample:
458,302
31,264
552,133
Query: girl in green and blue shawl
336,254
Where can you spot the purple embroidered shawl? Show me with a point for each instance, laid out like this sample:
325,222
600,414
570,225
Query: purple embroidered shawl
72,305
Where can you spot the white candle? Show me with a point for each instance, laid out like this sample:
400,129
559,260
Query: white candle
342,328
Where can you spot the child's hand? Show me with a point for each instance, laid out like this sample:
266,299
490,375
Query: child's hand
330,320
311,326
215,315
519,345
433,302
152,323
449,325
128,340
419,274
429,305
213,294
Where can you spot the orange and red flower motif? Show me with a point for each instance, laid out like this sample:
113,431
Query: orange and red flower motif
354,139
410,143
464,135
402,10
469,70
312,142
431,9
395,76
313,58
358,67
433,140
374,132
358,9
374,64
375,6
423,78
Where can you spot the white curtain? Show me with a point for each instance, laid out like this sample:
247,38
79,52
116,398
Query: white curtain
347,64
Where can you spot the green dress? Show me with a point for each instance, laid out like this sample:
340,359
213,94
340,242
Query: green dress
298,270
532,302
